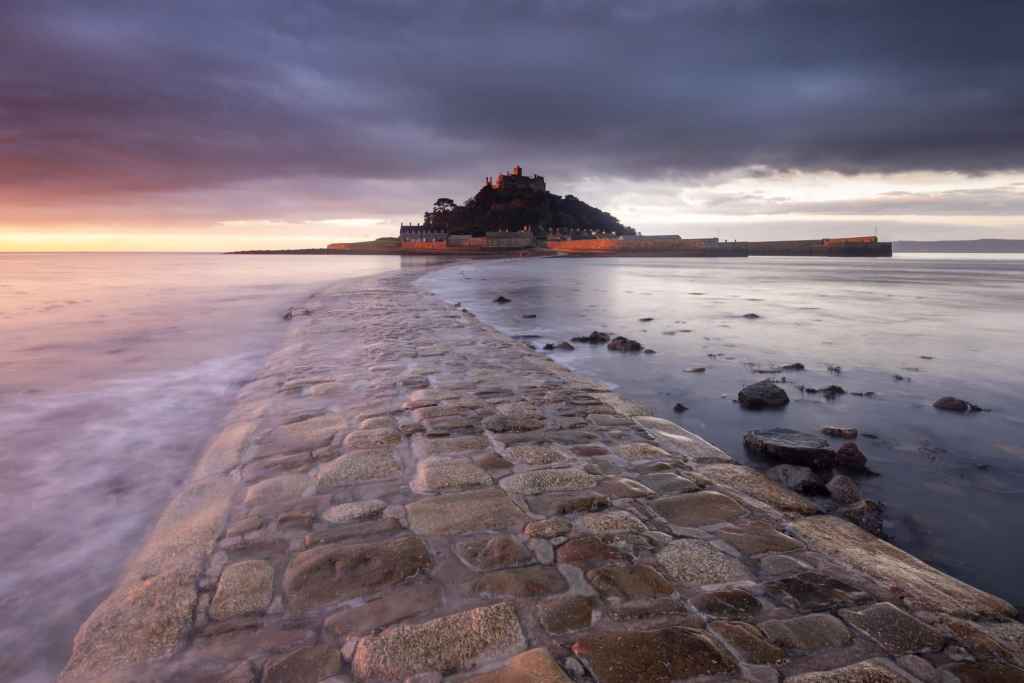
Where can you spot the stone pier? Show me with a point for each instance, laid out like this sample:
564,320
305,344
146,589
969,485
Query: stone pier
404,494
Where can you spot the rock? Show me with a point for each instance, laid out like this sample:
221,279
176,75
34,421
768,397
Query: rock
543,481
565,613
548,528
245,587
567,503
894,629
955,405
843,489
867,514
851,457
560,346
532,666
356,466
649,351
296,312
534,454
986,672
635,582
625,345
614,522
790,446
354,512
797,478
586,550
811,591
758,539
529,316
696,369
336,572
451,643
658,656
679,408
507,423
620,487
395,604
307,665
763,394
667,483
861,672
645,320
751,316
362,439
809,632
642,451
283,487
840,432
922,587
502,300
830,392
459,513
594,337
496,552
435,475
525,582
698,509
792,367
696,562
748,641
728,604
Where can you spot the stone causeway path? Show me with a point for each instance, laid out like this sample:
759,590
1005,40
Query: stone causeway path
404,494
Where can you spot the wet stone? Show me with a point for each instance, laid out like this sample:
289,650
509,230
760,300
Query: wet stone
843,489
395,604
698,509
755,540
450,643
533,454
459,513
566,503
372,438
336,572
447,474
697,562
642,451
811,591
496,552
778,565
521,583
543,481
283,487
451,445
653,656
548,528
986,672
635,582
861,672
728,604
614,522
621,487
308,665
532,666
749,641
809,632
589,450
565,613
790,446
245,588
759,487
586,550
354,512
505,423
669,483
352,530
356,466
893,629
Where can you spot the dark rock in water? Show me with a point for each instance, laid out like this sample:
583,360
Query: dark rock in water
799,479
679,408
560,346
751,316
900,378
834,369
841,432
927,357
955,405
595,337
529,316
851,457
763,394
296,311
843,489
791,446
646,320
867,394
502,300
829,392
695,370
867,514
649,351
793,366
625,345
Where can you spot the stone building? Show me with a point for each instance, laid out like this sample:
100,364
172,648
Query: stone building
515,180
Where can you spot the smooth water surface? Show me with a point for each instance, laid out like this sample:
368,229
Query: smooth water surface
910,329
114,371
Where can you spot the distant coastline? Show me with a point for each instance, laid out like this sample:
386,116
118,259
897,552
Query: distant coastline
991,246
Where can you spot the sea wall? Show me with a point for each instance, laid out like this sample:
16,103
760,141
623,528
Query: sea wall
404,492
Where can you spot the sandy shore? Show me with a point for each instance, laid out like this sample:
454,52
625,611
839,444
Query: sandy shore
404,492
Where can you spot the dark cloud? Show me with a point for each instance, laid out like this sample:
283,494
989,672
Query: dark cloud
114,99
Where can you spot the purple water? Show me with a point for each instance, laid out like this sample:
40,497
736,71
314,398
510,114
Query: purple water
953,484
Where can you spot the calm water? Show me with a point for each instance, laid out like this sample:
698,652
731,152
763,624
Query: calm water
114,371
953,484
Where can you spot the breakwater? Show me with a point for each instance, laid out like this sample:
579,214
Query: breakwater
403,491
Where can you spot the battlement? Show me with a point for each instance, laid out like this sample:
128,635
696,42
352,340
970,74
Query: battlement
514,180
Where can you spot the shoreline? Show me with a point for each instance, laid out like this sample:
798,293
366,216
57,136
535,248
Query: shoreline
509,490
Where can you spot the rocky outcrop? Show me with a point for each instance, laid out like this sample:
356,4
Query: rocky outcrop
764,394
625,345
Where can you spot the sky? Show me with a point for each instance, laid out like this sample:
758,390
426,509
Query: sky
220,125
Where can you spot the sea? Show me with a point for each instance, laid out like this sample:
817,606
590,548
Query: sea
115,369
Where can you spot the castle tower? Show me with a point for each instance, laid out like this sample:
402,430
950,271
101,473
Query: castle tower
517,170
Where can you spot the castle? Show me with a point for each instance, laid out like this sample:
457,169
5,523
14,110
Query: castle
515,180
